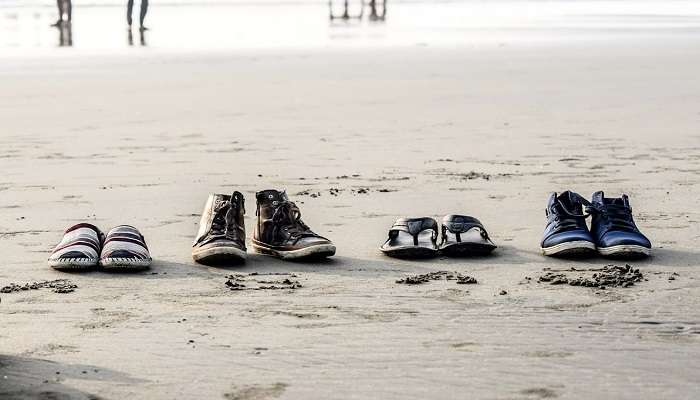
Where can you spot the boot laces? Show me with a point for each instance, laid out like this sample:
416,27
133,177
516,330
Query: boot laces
619,216
224,221
287,217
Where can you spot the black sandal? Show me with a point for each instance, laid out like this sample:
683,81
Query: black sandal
412,238
463,235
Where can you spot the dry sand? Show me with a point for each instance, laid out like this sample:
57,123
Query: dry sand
143,140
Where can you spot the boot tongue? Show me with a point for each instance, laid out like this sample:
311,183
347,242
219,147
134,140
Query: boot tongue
271,196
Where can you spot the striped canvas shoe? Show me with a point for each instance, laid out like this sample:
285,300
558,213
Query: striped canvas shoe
79,249
125,248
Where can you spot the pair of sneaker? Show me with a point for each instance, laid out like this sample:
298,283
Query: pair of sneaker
462,235
279,230
84,246
613,232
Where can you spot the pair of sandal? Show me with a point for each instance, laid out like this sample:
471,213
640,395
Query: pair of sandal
462,235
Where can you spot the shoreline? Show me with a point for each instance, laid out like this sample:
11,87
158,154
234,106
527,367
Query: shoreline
190,29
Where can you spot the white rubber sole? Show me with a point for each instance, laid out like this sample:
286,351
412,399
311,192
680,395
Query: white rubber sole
625,250
219,254
321,250
124,263
73,263
579,247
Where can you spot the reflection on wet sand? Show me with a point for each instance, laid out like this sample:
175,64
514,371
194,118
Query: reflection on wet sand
373,15
345,15
142,37
65,34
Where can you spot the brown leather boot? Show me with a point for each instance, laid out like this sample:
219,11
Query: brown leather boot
221,236
280,232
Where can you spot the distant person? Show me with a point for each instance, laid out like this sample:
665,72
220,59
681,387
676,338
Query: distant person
346,13
65,10
142,14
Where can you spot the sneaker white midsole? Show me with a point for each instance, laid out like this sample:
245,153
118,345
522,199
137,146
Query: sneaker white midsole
568,246
624,249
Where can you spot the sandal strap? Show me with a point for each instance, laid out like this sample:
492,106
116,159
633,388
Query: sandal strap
414,226
458,224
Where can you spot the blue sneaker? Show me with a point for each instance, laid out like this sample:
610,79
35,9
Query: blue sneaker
614,230
566,233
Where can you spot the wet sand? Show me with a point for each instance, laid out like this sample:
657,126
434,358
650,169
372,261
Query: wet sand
358,137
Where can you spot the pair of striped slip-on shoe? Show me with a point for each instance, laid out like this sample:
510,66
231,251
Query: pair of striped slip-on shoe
84,246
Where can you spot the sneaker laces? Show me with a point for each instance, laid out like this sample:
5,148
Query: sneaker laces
618,215
566,219
224,221
287,217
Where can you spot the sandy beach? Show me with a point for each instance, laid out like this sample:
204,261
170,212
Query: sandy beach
358,135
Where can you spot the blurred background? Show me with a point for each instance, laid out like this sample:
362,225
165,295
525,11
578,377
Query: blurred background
215,25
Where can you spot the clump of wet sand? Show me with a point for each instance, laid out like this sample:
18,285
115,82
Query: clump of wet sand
57,286
262,281
438,276
601,278
337,191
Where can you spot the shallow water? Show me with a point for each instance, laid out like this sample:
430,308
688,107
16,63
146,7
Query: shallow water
186,26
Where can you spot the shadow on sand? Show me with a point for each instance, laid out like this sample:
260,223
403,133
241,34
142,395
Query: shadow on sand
504,256
30,378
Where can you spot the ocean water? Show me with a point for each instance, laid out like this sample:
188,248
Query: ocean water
228,25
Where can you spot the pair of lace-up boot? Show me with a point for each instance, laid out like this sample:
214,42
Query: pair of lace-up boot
279,230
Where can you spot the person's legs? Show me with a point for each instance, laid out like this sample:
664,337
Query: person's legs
59,3
69,10
144,10
129,7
